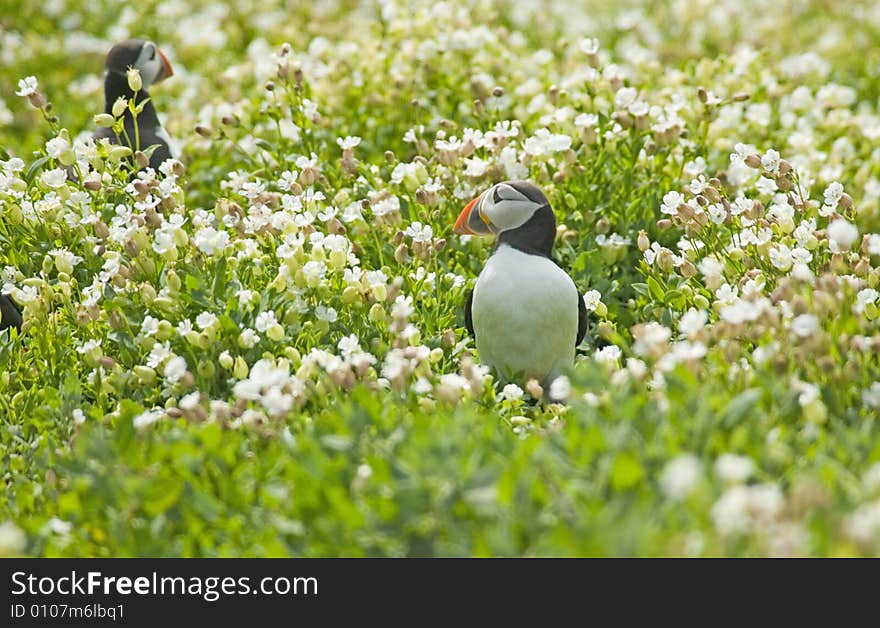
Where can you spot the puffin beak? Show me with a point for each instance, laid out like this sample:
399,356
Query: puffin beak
167,70
472,221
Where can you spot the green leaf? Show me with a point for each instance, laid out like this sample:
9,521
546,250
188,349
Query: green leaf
740,407
626,472
656,290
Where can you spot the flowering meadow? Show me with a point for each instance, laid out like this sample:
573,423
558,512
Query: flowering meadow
259,348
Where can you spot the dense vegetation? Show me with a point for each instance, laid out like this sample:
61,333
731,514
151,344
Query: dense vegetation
260,349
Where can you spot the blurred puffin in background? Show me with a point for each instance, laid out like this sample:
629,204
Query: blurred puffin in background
10,314
524,311
154,67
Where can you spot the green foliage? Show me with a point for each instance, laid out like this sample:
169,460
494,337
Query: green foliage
259,350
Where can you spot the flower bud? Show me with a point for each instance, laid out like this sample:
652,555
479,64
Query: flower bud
37,100
118,153
275,332
447,340
350,295
240,370
104,120
141,159
119,106
534,389
401,253
226,360
377,313
206,369
701,302
145,374
665,260
133,76
642,241
753,160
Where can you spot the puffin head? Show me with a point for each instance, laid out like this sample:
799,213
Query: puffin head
517,212
142,55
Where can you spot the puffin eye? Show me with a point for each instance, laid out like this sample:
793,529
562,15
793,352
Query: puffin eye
152,53
496,194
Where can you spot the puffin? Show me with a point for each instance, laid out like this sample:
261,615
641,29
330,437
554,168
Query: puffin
524,312
10,314
154,67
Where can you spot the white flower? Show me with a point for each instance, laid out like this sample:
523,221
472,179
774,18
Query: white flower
159,353
386,206
589,45
740,508
149,326
248,338
147,418
206,320
842,234
190,401
402,307
651,336
832,195
511,392
871,396
671,201
692,321
175,368
805,325
780,257
592,299
12,540
624,97
609,354
88,346
863,525
544,142
265,320
586,120
348,143
476,167
560,389
680,476
419,232
27,86
727,294
54,178
770,161
210,241
733,469
328,314
864,297
57,146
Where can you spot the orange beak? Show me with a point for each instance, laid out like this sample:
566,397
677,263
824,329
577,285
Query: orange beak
167,70
471,221
461,225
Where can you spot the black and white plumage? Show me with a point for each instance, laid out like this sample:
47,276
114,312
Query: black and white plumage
154,67
10,314
524,311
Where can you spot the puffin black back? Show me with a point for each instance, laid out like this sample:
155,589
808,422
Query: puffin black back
10,314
